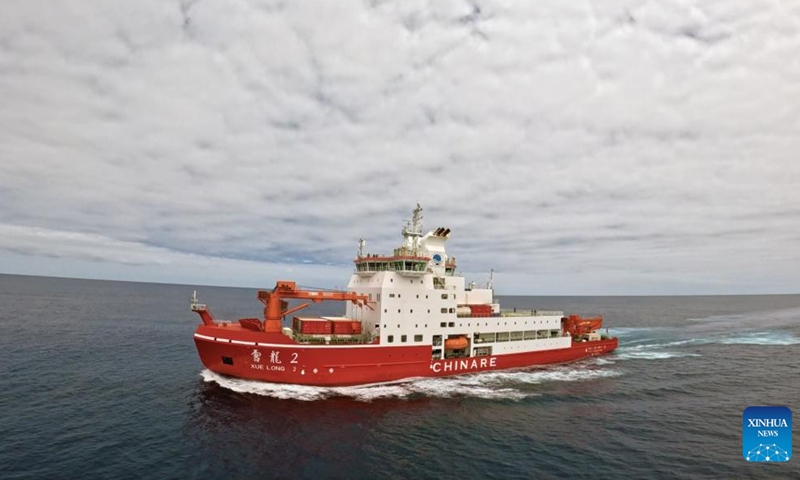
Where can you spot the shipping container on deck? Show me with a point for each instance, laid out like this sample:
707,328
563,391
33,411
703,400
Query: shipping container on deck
481,310
344,326
311,326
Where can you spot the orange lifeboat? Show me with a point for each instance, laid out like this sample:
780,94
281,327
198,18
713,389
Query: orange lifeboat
458,343
577,325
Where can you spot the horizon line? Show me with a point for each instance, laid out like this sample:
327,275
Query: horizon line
59,277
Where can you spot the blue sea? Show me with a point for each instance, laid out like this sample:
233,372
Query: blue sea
101,379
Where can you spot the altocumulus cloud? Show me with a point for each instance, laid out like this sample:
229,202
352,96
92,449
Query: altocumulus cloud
575,147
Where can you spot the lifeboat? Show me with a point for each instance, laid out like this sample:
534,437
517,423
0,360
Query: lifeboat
577,325
458,343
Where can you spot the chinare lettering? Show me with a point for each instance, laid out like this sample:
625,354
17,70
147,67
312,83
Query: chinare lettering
462,365
406,315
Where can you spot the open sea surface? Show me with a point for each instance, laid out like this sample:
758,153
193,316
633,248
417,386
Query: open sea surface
102,380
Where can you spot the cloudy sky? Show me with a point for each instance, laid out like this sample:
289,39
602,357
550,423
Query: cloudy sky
616,147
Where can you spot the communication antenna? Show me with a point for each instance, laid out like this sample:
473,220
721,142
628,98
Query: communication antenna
490,283
361,243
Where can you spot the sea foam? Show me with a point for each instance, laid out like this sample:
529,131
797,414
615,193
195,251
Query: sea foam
505,385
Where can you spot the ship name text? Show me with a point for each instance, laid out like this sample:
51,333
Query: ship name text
464,364
261,366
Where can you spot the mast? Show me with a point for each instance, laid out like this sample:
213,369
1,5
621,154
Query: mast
413,231
361,243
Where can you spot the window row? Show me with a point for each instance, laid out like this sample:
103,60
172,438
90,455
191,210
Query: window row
445,296
515,336
404,338
442,310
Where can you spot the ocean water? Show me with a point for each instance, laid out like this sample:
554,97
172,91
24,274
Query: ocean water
101,380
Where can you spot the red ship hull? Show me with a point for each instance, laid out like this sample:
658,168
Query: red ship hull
274,357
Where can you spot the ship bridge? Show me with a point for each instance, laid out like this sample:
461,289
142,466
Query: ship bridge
419,254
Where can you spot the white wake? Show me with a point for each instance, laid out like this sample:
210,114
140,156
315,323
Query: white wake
507,385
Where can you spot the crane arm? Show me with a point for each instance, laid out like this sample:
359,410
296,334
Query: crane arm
275,307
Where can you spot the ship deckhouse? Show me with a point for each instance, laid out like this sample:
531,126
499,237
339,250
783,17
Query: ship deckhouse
416,297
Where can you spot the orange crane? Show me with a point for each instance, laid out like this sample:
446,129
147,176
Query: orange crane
275,307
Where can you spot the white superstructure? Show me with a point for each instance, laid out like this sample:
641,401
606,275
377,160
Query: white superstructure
418,299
